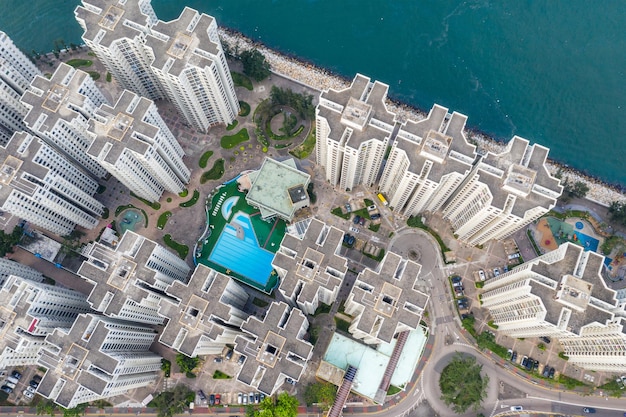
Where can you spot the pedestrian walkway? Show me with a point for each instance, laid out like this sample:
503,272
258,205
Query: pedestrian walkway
343,392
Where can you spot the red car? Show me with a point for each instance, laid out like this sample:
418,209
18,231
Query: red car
218,399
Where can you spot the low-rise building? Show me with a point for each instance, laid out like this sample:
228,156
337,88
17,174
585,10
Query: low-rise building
310,268
386,301
562,294
203,315
97,358
130,279
274,348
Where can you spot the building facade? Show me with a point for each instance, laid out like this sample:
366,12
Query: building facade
97,358
203,315
16,73
133,143
59,109
562,294
503,193
29,311
10,267
428,161
42,186
353,129
129,280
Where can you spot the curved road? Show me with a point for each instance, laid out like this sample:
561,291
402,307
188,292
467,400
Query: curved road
449,337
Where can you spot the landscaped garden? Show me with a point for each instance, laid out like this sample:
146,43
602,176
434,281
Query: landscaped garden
192,201
230,141
182,250
215,173
204,159
241,80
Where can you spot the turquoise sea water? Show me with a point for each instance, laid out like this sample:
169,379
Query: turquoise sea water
552,72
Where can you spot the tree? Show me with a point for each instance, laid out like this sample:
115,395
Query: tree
255,65
322,393
173,401
187,364
47,407
285,406
577,189
77,411
461,384
9,240
617,210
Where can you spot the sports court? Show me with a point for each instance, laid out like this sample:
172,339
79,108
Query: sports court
240,244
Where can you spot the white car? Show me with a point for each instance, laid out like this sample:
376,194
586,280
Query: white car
354,229
481,274
517,408
28,394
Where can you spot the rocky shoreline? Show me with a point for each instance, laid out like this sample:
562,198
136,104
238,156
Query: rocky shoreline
321,79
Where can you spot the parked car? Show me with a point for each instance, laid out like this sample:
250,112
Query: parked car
16,374
481,274
251,398
348,208
536,365
212,399
218,399
245,399
37,379
362,221
30,389
354,229
371,208
545,339
239,398
496,272
514,356
10,384
257,398
620,383
6,389
517,408
241,359
356,219
524,361
28,394
551,373
13,380
375,216
546,371
589,410
201,395
290,381
218,359
229,354
455,279
33,383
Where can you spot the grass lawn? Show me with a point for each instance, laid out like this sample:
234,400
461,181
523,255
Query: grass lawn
304,150
183,250
228,142
192,201
204,159
105,213
215,173
241,80
338,212
232,125
244,109
220,375
77,63
163,220
154,205
342,325
183,193
95,75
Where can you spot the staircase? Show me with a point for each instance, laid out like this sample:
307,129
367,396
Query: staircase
391,367
342,392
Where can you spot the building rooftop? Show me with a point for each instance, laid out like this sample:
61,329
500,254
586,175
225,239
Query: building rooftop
311,262
274,348
358,113
189,40
440,140
277,188
199,312
520,172
388,298
104,23
572,289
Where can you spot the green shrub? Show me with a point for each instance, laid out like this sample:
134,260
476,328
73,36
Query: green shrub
241,80
154,205
105,213
77,63
232,125
204,159
342,325
183,193
192,201
215,173
109,77
228,142
163,219
220,375
374,227
244,109
182,250
95,75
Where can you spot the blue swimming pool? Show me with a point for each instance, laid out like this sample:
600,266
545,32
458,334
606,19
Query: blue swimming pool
242,254
587,242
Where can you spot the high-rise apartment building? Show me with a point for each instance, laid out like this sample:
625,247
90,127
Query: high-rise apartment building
274,348
503,193
10,267
386,301
97,358
353,129
310,268
428,160
191,67
116,32
203,315
562,294
59,109
132,142
181,60
29,311
16,73
42,186
129,280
